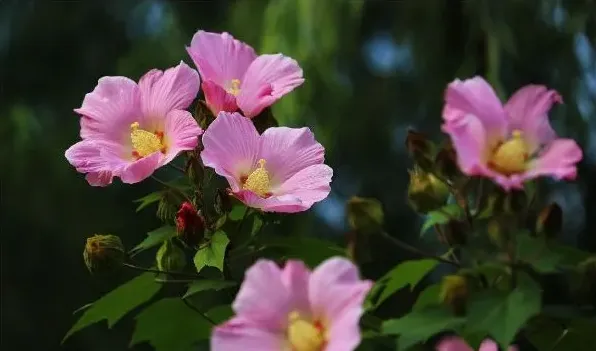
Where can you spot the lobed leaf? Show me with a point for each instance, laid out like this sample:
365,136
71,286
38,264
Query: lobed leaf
214,253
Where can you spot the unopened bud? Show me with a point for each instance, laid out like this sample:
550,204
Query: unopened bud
550,221
454,292
103,253
365,214
446,162
170,257
190,224
420,149
425,191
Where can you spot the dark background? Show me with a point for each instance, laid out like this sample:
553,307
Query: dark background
373,69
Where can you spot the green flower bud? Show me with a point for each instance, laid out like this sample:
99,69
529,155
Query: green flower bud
425,191
550,221
170,257
454,292
420,149
364,214
103,253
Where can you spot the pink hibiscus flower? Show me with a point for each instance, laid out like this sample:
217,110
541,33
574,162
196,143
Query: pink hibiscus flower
130,130
511,143
295,309
453,343
281,170
235,77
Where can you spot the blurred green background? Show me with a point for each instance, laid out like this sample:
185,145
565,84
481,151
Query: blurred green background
373,69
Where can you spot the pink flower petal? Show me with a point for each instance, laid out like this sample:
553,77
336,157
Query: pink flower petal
289,150
218,99
310,185
268,78
469,140
109,109
263,298
181,133
295,276
141,169
287,203
453,343
162,92
86,157
219,57
476,97
240,334
558,160
102,178
344,332
527,110
488,345
231,144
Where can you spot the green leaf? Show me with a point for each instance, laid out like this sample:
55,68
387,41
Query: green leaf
406,273
213,254
536,252
502,314
441,216
118,302
430,296
207,284
237,212
569,254
169,324
310,250
154,238
418,326
148,200
556,335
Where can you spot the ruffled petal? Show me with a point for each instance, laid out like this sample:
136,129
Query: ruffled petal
310,185
162,92
219,57
558,160
288,151
181,133
109,109
469,140
268,78
86,157
263,298
527,110
453,343
344,332
218,99
231,144
295,277
476,97
240,334
140,169
277,203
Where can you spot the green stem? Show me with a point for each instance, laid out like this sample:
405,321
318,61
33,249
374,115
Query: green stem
416,251
176,167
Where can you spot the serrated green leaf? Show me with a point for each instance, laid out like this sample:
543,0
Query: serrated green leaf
169,324
418,326
237,212
430,296
502,314
404,274
207,284
118,302
214,253
441,216
148,200
536,252
154,238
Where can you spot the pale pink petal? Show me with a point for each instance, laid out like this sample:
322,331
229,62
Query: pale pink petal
469,140
162,92
310,185
558,160
287,203
289,150
263,298
335,289
527,110
109,109
231,145
101,178
295,277
140,169
476,97
268,78
453,343
219,57
488,345
86,157
241,334
344,332
181,133
218,99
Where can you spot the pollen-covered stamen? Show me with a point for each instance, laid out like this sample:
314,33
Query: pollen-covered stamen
511,156
304,335
145,143
233,87
258,180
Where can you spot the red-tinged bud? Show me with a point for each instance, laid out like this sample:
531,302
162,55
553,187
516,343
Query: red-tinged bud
190,224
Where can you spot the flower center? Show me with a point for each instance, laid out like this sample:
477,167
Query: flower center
234,87
511,156
304,335
145,143
258,180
